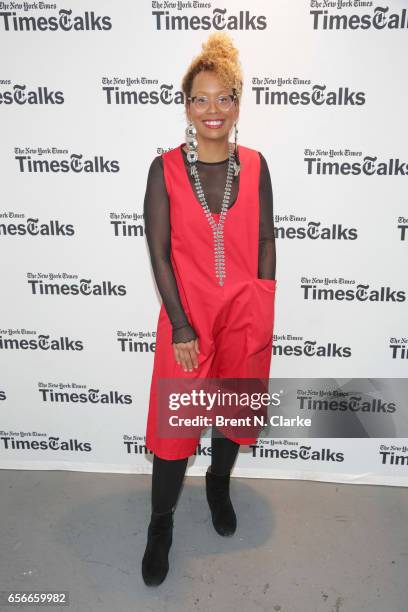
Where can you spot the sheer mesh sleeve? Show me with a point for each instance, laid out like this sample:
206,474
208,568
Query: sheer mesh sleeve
158,234
266,252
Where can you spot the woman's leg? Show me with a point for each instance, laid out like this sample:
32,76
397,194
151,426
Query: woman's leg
223,454
217,478
167,478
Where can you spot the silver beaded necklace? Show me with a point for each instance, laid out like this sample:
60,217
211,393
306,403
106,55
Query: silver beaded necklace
218,228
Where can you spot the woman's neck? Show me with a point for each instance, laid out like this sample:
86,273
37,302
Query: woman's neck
212,151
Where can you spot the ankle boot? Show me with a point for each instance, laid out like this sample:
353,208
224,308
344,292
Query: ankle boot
155,563
222,511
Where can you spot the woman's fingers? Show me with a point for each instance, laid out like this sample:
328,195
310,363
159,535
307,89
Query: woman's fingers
188,360
181,358
186,354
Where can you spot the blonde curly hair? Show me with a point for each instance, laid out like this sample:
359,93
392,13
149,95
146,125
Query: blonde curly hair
219,56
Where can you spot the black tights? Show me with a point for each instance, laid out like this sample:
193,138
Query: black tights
168,474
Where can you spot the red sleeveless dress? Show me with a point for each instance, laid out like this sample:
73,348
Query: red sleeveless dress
234,322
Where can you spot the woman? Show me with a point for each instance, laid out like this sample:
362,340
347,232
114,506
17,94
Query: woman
208,214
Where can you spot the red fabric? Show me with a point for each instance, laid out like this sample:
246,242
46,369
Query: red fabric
234,321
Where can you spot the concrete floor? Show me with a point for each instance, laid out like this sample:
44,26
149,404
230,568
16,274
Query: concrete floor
301,546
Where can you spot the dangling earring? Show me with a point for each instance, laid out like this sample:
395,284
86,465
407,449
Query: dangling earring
192,154
237,166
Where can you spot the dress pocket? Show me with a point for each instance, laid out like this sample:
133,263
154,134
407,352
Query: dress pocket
263,311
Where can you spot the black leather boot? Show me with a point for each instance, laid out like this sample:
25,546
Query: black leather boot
155,563
222,511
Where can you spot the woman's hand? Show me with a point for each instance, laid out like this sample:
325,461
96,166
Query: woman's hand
186,354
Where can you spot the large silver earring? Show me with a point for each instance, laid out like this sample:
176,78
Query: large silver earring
192,154
237,165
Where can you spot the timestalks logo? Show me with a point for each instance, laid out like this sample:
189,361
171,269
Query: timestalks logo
130,345
392,458
52,443
403,227
63,21
164,95
317,97
135,448
353,403
91,396
369,166
75,164
125,229
313,230
309,348
303,452
399,348
219,20
359,293
42,342
20,95
32,227
85,286
381,19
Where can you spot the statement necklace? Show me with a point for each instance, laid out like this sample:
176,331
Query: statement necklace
218,228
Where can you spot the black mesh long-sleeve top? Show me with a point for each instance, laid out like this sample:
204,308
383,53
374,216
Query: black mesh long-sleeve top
213,176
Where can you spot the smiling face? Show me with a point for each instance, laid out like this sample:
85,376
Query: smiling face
206,83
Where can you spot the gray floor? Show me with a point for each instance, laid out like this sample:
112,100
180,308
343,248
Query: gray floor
300,546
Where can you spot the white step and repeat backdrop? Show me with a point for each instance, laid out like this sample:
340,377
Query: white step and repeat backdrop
90,92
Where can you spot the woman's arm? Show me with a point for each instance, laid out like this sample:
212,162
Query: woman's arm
156,210
267,251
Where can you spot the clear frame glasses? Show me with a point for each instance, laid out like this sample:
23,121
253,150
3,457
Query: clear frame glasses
202,103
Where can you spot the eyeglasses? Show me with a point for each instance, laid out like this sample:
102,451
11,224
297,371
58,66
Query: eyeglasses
202,103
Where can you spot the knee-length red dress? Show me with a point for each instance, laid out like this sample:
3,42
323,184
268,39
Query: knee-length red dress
235,321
